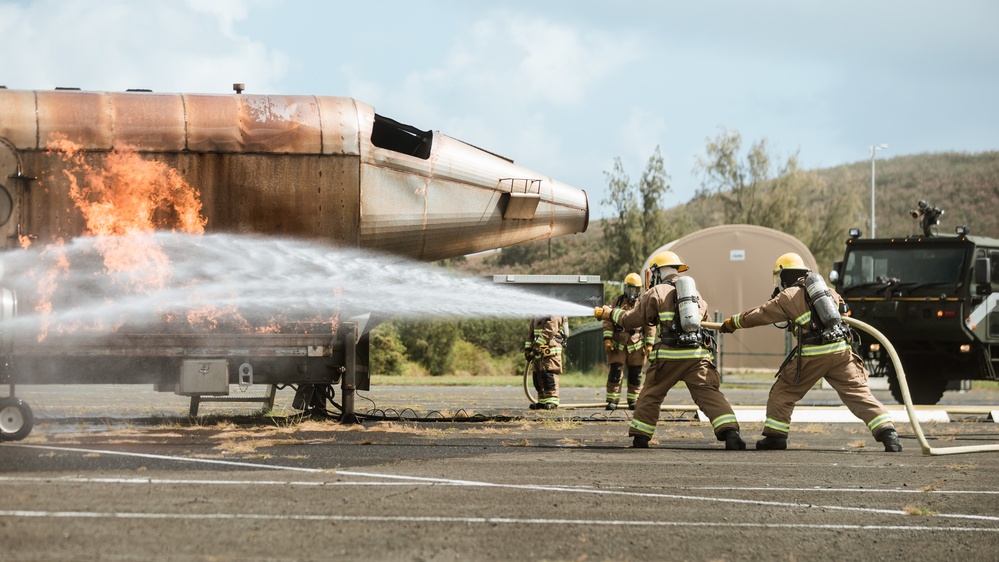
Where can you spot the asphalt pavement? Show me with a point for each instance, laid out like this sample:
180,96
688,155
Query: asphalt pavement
469,473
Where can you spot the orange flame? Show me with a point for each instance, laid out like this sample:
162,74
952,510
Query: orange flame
128,195
121,194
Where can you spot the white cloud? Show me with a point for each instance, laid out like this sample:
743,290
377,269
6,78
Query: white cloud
117,44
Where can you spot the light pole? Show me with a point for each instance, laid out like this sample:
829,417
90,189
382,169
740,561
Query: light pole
874,150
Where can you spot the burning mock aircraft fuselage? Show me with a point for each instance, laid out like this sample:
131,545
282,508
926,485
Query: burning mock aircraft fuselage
325,169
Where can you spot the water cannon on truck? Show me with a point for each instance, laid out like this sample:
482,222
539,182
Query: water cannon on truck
934,296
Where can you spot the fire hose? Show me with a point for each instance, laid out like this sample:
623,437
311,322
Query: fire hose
904,386
900,372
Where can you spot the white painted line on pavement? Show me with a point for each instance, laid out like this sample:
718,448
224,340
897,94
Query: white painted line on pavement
832,415
322,483
480,520
661,495
188,481
167,457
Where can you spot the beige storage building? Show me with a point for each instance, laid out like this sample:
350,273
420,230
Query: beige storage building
732,266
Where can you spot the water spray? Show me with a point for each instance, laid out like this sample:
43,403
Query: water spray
261,278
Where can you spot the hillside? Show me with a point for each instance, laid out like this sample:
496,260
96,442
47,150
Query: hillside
965,186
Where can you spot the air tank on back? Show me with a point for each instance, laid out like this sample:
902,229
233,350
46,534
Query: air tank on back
314,167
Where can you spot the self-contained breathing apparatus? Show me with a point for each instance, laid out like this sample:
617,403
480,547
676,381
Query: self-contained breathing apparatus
826,322
825,325
685,329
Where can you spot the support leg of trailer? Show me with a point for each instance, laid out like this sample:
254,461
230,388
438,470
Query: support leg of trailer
348,381
271,393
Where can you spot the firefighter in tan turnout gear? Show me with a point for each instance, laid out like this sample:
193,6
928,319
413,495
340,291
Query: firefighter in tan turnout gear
683,352
544,350
626,347
803,304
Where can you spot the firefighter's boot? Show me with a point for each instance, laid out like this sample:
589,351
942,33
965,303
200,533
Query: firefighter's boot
534,406
771,443
631,404
640,442
611,406
889,437
733,441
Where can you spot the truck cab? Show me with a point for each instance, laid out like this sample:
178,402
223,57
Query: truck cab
934,297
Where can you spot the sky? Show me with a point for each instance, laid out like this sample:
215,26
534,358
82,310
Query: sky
561,87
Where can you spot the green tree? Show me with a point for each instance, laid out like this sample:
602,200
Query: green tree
652,188
388,354
430,343
750,190
762,190
498,337
637,227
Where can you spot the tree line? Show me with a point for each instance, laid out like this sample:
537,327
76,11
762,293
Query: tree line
739,185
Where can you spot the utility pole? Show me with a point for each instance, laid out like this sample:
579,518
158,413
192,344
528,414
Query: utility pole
874,150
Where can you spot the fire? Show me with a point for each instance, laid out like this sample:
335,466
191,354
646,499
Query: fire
126,195
123,199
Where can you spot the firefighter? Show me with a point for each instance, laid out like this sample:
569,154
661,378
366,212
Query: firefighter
544,350
626,347
683,352
804,305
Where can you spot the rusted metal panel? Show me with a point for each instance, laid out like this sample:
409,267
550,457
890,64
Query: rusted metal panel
148,122
300,166
280,124
305,196
253,124
213,123
83,118
339,117
18,121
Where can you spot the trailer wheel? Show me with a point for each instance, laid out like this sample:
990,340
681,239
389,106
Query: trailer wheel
16,419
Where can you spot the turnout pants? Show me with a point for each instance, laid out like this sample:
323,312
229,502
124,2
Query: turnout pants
845,373
614,379
545,377
702,380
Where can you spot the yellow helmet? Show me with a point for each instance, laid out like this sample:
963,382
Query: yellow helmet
667,259
792,263
632,286
663,259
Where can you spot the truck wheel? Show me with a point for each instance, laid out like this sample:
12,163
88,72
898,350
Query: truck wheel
16,419
925,389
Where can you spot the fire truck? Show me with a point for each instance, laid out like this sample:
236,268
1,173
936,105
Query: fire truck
933,296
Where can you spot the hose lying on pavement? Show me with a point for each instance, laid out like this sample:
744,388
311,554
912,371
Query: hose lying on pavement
904,386
533,399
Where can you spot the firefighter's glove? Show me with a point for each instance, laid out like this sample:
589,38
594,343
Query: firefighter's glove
602,312
529,354
608,346
648,350
727,327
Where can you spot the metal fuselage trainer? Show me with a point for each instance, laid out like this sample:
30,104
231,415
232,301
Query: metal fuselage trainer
317,168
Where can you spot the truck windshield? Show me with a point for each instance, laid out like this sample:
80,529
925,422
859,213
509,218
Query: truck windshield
903,265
